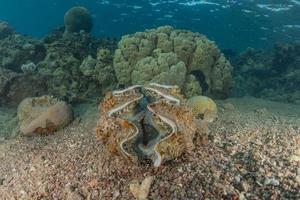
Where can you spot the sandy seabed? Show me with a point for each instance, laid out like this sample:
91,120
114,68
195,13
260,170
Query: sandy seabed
252,152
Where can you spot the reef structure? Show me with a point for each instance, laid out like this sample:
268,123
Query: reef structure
149,121
173,57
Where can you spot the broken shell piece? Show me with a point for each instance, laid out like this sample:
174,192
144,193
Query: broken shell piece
141,191
146,122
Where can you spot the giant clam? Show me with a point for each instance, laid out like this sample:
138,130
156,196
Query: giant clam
146,122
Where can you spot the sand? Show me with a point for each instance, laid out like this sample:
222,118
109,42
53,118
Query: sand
252,152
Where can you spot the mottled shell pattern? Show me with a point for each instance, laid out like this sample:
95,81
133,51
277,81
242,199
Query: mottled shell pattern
146,122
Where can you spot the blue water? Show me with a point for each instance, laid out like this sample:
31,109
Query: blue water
232,24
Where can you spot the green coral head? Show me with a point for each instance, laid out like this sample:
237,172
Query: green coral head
78,19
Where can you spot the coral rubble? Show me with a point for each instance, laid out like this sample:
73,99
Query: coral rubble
170,56
146,122
43,115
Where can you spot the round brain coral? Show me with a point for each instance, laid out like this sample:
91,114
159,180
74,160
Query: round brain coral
77,19
151,56
203,107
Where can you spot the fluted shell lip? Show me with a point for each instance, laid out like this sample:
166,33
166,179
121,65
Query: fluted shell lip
145,133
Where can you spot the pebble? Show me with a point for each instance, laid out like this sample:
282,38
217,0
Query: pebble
242,196
32,169
271,181
295,158
245,186
180,170
23,192
297,152
237,178
116,194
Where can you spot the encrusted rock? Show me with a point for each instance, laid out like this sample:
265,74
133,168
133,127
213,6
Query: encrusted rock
43,115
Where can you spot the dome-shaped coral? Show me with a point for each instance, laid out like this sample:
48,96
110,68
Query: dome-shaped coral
77,19
146,122
151,56
203,107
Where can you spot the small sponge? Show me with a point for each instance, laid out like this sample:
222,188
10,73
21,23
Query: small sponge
203,108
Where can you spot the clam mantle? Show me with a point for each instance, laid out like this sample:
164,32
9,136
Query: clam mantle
146,122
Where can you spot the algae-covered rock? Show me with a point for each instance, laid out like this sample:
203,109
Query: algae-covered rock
200,56
77,19
43,115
